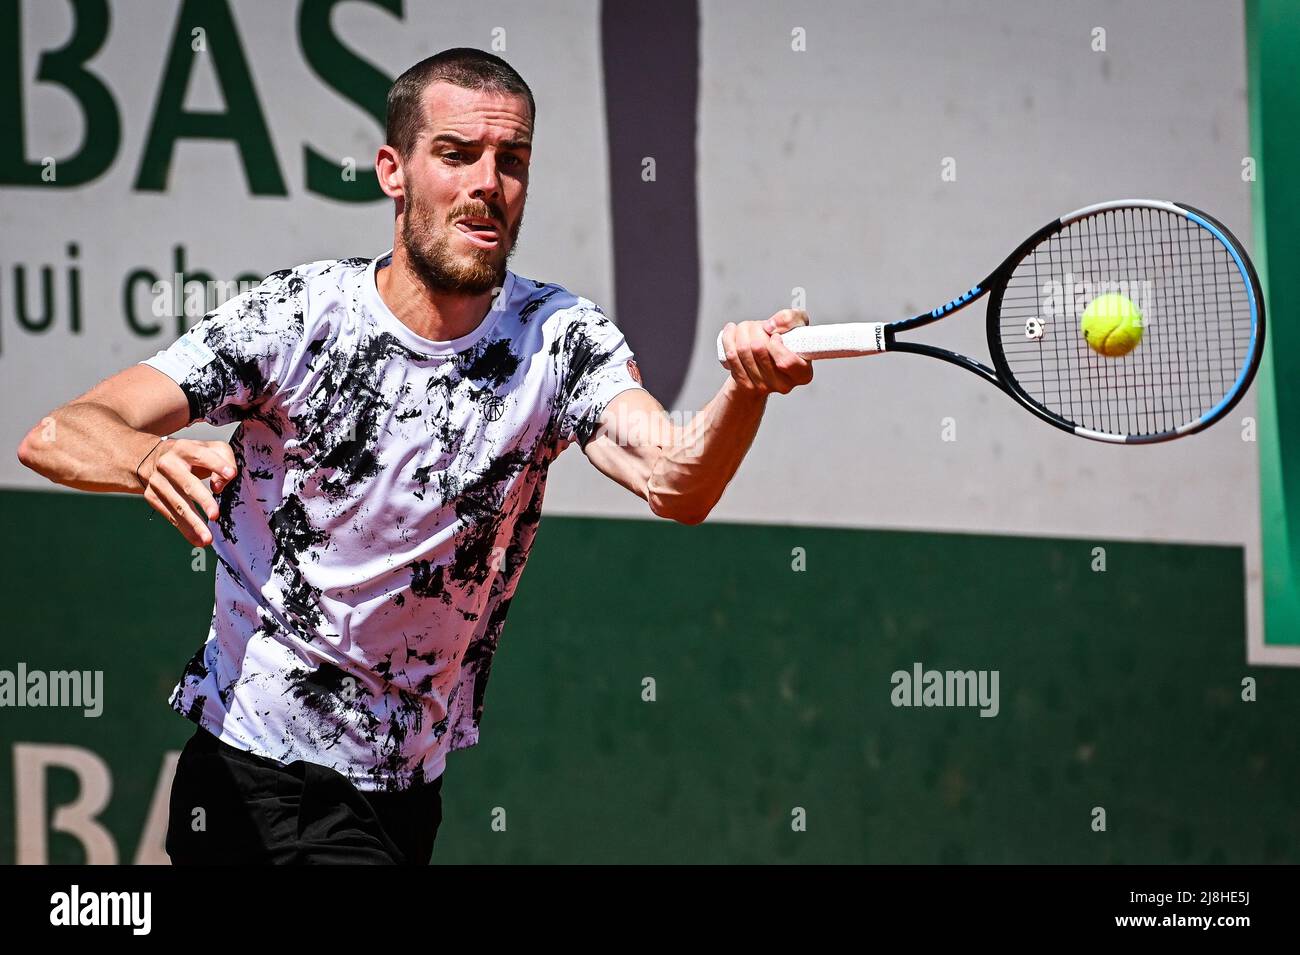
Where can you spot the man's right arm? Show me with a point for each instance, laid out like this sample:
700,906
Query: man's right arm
98,441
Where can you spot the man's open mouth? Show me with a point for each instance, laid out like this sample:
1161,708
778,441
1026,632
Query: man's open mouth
480,232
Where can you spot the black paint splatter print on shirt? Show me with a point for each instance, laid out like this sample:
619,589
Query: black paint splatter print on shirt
388,492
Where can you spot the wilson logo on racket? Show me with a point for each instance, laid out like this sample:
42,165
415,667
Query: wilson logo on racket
957,302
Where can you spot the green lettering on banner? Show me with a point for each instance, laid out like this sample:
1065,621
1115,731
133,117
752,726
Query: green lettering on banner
241,122
29,320
149,280
357,80
66,68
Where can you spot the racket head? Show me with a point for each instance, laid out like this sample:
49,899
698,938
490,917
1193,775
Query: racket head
1202,321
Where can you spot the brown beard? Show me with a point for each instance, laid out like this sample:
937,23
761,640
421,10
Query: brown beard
438,268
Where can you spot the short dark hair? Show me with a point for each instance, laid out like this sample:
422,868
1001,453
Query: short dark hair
462,66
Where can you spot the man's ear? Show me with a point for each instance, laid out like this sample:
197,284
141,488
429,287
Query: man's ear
389,172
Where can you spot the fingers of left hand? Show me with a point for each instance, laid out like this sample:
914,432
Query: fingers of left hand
775,362
790,366
732,341
785,320
752,349
788,370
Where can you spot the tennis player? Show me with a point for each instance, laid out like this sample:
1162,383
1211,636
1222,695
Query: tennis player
372,513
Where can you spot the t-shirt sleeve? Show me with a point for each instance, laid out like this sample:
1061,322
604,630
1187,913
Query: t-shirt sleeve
239,353
597,364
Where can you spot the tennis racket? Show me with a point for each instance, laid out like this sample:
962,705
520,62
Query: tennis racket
1202,323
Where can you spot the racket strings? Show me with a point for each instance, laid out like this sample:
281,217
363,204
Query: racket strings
1196,322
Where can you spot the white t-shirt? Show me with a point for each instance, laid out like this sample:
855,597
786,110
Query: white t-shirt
388,492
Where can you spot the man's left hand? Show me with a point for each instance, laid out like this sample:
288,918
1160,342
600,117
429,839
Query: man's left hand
757,358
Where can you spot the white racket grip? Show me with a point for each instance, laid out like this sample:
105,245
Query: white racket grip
847,340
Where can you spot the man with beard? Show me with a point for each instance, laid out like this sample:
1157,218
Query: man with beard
372,513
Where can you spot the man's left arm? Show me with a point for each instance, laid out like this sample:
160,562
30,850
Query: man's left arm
682,470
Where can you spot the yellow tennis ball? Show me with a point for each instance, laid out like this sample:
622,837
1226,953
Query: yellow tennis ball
1112,325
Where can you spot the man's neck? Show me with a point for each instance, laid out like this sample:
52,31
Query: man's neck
437,316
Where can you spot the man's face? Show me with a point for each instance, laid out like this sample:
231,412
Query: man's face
466,181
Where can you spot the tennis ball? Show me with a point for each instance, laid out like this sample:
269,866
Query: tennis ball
1111,325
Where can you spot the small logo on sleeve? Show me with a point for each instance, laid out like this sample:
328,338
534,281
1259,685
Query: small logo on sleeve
195,350
633,370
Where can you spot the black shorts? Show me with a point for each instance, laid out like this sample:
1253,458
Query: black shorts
230,807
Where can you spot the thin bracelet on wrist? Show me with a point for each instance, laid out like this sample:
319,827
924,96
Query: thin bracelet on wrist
143,485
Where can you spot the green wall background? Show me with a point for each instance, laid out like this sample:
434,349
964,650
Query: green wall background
1273,39
1119,689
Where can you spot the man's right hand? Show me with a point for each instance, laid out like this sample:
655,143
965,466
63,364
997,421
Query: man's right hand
173,475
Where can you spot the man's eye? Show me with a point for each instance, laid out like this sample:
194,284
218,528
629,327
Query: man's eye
510,160
453,154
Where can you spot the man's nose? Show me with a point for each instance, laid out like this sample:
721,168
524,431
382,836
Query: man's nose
484,182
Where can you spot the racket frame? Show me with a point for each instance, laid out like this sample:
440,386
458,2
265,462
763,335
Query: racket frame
995,284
